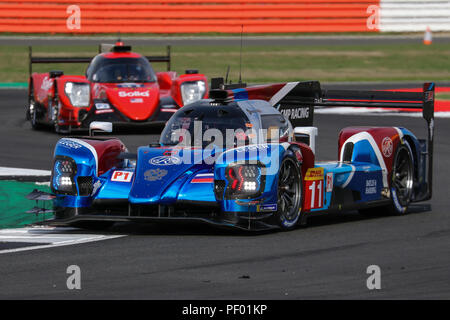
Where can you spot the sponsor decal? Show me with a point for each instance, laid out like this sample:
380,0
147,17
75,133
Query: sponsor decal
170,152
102,106
122,176
169,110
314,188
125,94
95,187
46,83
248,203
136,100
314,174
267,207
154,174
296,113
130,85
70,144
104,111
371,186
257,147
329,181
387,147
164,160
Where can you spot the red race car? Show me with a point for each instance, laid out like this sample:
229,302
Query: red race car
120,86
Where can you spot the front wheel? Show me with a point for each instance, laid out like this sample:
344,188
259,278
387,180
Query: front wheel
290,191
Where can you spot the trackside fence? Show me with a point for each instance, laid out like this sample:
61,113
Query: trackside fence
221,16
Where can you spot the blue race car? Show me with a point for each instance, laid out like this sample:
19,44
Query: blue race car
235,161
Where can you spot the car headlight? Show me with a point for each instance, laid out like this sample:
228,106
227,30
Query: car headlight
78,93
63,173
192,91
245,181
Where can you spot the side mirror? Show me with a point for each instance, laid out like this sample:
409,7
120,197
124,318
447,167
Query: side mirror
99,126
164,81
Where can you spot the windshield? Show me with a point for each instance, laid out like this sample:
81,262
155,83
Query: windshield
120,70
202,127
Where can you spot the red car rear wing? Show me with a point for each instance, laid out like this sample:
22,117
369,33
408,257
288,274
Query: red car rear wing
33,59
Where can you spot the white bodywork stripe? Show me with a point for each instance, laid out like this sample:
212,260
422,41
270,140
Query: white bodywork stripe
366,136
285,145
400,133
350,177
282,93
204,175
90,147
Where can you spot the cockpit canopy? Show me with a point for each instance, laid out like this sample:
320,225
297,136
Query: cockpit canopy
118,70
238,123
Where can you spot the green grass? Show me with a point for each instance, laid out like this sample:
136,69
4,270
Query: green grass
445,96
13,204
267,63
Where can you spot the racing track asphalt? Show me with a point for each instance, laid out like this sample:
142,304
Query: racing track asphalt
224,40
326,260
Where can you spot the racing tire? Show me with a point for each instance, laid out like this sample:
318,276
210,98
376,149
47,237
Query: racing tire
32,112
402,183
54,116
402,180
290,194
94,225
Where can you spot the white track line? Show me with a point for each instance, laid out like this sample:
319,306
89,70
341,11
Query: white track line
6,171
48,237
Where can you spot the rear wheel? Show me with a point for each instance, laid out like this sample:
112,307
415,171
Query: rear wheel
33,112
290,191
53,106
402,182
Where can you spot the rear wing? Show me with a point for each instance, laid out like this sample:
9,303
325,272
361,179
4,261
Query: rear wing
297,101
52,59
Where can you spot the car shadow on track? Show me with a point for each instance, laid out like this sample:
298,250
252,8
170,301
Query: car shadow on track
354,216
186,229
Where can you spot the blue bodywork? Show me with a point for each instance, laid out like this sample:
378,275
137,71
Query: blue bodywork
169,182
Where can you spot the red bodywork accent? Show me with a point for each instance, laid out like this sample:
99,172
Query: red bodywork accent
135,103
306,158
107,152
175,90
378,134
202,180
138,102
